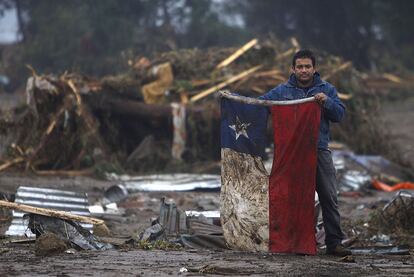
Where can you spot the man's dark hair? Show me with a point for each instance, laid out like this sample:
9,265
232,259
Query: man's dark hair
304,54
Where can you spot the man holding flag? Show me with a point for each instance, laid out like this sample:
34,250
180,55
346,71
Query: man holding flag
284,224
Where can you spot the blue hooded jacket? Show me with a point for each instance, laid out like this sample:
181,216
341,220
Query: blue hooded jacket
333,109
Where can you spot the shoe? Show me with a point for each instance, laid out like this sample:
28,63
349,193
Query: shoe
339,251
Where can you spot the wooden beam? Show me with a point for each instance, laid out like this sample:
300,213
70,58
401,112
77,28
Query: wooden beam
225,83
49,212
68,173
10,163
286,54
392,78
344,96
295,43
237,54
340,68
290,51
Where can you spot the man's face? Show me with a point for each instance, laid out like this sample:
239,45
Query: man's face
304,70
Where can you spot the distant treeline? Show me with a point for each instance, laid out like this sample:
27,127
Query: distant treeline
99,37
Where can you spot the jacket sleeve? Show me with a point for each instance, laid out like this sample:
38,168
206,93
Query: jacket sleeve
334,109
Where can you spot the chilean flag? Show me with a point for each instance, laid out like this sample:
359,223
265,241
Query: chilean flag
269,213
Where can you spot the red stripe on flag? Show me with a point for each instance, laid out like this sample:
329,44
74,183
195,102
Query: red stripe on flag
293,177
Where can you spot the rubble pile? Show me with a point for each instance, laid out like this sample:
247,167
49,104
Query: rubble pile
396,217
162,114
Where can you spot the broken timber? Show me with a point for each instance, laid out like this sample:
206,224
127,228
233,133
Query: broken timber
344,96
225,83
237,54
49,212
10,163
340,68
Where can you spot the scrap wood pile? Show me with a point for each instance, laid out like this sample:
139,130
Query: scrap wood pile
163,112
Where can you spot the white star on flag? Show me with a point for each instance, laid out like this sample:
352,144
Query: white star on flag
240,128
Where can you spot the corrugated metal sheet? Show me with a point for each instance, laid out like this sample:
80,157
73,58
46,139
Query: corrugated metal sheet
207,214
205,222
169,182
204,228
68,201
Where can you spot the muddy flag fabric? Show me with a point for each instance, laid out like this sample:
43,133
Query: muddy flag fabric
244,180
261,212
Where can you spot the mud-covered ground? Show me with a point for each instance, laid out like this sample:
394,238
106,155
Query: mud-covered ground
20,259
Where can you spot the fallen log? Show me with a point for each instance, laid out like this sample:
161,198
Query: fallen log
138,109
133,108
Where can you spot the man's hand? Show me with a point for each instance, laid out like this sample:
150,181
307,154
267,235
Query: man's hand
321,98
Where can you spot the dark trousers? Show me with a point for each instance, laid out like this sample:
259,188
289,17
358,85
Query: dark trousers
326,187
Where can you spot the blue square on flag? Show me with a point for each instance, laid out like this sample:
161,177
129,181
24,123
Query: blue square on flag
243,127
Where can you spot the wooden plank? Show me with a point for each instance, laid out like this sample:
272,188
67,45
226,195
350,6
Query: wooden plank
49,212
340,68
295,43
269,73
68,173
10,163
344,96
290,51
237,54
225,83
392,78
286,54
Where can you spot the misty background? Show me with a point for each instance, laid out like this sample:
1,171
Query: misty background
98,37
